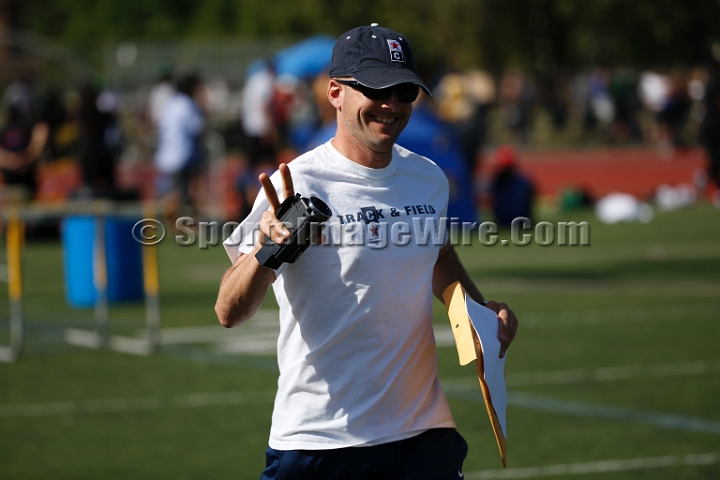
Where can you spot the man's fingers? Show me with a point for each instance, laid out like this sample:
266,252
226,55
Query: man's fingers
269,224
507,325
273,228
269,190
288,189
503,318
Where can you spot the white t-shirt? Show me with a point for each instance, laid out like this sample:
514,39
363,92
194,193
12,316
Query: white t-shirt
256,97
180,124
356,349
160,95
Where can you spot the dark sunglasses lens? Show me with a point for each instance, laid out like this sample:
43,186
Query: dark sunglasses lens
408,92
374,93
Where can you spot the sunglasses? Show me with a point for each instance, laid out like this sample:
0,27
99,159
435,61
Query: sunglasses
406,92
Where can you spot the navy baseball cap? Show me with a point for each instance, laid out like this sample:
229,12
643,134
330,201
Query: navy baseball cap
376,57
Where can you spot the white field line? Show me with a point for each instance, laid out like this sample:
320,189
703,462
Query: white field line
258,344
156,402
603,288
255,338
258,336
605,466
569,407
626,315
264,322
603,374
558,377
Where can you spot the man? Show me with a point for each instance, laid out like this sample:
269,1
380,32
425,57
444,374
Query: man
356,351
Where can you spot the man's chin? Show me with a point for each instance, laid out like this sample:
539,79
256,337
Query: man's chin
383,145
386,136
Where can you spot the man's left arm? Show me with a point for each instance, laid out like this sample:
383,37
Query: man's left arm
448,269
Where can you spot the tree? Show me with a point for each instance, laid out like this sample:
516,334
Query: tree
530,34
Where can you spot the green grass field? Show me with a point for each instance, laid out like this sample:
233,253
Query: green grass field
614,374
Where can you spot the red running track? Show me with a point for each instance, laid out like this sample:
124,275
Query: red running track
637,171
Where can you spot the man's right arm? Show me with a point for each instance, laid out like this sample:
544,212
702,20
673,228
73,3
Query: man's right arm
245,284
242,290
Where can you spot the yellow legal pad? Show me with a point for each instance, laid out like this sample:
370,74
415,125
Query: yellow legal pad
473,327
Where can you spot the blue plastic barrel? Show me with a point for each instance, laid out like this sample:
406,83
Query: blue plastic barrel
123,256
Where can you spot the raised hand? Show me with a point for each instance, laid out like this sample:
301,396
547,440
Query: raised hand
270,225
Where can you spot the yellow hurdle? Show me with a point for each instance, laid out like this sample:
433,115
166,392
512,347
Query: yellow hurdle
150,270
15,239
15,236
100,337
151,282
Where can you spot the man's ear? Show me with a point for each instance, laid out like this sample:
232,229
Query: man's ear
335,93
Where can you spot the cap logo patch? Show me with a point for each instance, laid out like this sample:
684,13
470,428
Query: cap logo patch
396,53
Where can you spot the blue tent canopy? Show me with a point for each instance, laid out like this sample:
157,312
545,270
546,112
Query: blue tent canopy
305,59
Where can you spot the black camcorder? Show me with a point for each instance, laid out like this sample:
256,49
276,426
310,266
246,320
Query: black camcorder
304,218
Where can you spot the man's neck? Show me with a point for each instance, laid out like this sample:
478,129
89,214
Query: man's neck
360,154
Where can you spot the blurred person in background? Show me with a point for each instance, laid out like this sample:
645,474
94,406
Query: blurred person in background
283,103
710,128
100,141
20,96
516,97
623,91
179,155
22,142
511,192
327,115
601,108
673,116
162,91
556,96
22,139
257,116
55,114
259,129
428,135
659,95
465,100
326,111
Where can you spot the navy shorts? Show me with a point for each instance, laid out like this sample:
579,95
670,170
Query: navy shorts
436,454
